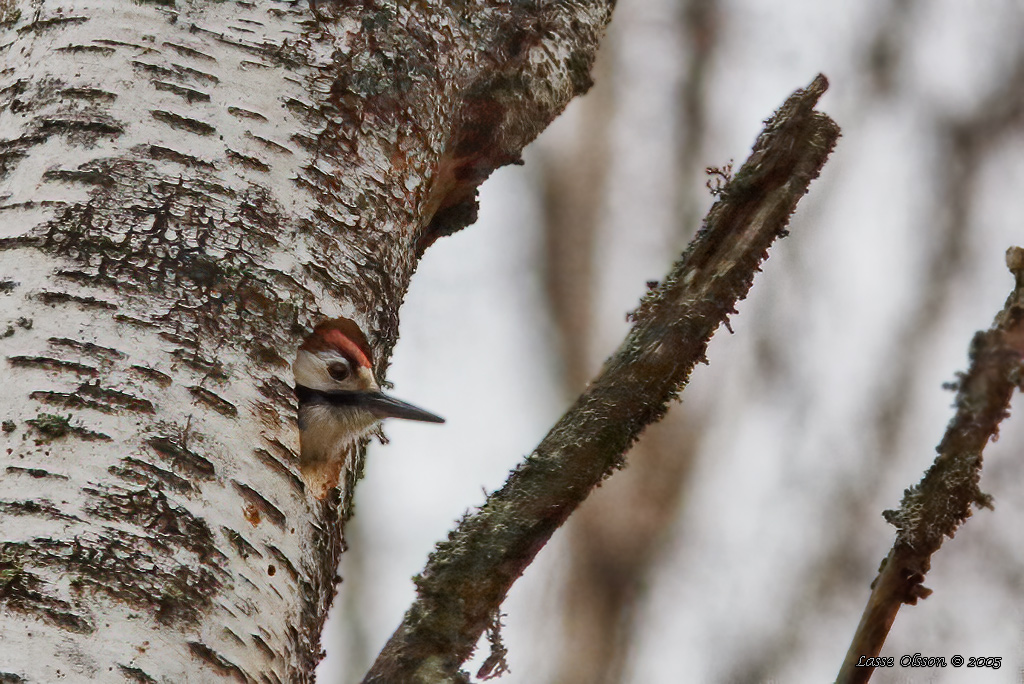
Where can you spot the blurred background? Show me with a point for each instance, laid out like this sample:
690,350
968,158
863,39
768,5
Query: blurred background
739,543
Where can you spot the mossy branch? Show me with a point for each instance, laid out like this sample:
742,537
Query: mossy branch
467,577
933,509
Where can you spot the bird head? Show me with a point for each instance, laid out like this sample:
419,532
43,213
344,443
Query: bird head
334,365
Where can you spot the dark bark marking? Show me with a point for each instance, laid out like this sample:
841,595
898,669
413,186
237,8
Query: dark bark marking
35,472
307,143
91,94
138,570
117,567
272,53
166,153
84,176
51,427
301,108
10,15
9,159
43,94
286,453
96,280
152,375
24,323
131,320
14,90
37,507
182,458
72,400
217,662
278,392
189,342
92,396
245,114
12,97
40,25
88,348
267,459
147,474
211,369
81,130
264,648
279,556
54,298
150,509
176,71
14,150
145,49
24,592
269,144
241,544
189,52
94,49
183,123
214,401
162,234
247,161
50,364
266,355
229,633
190,95
25,241
115,399
254,498
135,674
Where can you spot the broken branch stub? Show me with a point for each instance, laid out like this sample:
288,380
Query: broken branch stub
469,574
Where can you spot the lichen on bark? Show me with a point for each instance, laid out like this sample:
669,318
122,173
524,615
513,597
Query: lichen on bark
184,190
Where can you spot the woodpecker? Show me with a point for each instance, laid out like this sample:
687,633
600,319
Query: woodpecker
340,401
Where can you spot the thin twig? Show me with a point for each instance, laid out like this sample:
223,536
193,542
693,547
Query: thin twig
468,576
943,500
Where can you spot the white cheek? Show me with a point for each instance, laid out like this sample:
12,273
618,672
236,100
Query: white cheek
310,371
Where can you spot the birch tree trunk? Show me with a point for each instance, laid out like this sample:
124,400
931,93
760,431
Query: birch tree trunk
185,189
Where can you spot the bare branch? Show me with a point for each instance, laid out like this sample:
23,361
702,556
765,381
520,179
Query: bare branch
942,501
468,576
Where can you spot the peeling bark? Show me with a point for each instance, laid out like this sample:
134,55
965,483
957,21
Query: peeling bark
184,190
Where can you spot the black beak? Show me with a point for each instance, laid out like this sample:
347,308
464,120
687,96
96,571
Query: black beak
384,406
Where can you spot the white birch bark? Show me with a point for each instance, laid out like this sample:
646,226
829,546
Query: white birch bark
185,188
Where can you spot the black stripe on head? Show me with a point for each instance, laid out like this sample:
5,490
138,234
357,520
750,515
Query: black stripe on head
310,396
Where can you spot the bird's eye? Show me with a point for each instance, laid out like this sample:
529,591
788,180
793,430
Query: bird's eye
338,370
